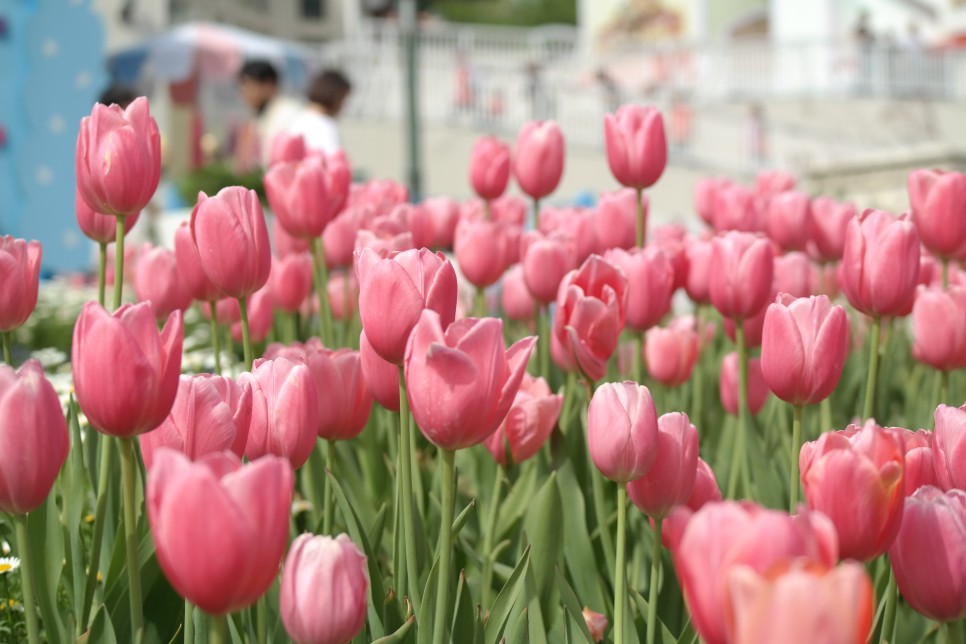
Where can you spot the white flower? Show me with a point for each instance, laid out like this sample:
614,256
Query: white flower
5,547
8,564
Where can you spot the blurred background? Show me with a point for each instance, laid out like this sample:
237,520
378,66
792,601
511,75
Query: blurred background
848,94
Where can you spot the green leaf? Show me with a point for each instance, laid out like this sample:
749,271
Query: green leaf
520,629
461,519
543,525
664,636
506,599
578,552
47,552
427,611
464,618
102,631
572,605
517,500
399,635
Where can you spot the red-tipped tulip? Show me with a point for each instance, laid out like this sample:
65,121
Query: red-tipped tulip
19,280
742,266
539,158
622,431
489,167
636,145
671,479
528,424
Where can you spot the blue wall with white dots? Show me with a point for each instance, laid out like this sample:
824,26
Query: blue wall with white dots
51,72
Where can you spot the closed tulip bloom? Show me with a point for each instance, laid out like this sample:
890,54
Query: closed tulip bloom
616,219
159,282
382,378
742,267
291,281
698,282
622,431
929,552
98,227
489,167
34,435
232,239
803,348
738,208
757,389
650,280
920,462
462,381
404,283
770,183
484,250
125,371
343,295
704,491
417,221
673,239
286,244
192,276
545,260
795,274
445,213
286,148
940,217
801,603
210,415
299,196
671,479
724,535
671,354
260,316
949,446
868,462
589,317
939,327
219,527
539,158
528,424
706,198
324,590
788,220
118,158
636,145
19,280
829,222
518,303
285,411
880,265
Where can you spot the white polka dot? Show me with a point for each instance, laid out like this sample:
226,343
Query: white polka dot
50,48
82,80
44,175
70,238
56,124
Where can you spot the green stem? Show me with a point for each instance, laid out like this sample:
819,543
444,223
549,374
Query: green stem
952,632
26,578
479,303
218,629
489,536
793,483
597,485
620,565
189,623
328,498
943,387
945,273
487,210
570,390
447,480
639,357
640,218
261,615
536,214
655,581
697,376
7,349
129,482
543,341
119,262
739,457
291,328
246,335
322,288
406,475
825,415
101,272
873,374
100,517
215,338
889,619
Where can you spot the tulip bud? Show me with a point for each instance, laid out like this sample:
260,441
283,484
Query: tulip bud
671,479
939,210
489,167
828,225
616,220
484,250
742,267
159,282
518,303
19,281
671,354
546,259
788,220
939,327
539,160
290,281
652,277
636,145
622,431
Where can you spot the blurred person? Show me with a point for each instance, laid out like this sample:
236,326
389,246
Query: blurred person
317,121
258,83
864,39
541,107
465,85
612,93
682,117
757,135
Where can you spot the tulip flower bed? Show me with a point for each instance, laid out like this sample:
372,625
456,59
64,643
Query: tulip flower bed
348,435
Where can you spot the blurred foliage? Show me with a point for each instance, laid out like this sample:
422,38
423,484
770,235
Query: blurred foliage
215,176
521,13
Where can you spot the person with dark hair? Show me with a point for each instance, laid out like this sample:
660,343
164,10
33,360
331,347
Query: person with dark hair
120,95
327,94
258,82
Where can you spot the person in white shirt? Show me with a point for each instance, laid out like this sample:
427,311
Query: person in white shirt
274,112
317,122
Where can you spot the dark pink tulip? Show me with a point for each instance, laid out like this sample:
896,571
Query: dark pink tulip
286,148
795,274
939,210
219,527
324,590
210,415
949,447
757,389
829,222
232,240
445,214
118,158
737,208
382,378
920,462
928,553
290,281
343,295
589,317
742,268
939,327
803,348
788,220
769,183
260,317
285,410
19,280
468,361
636,145
404,283
125,371
670,481
545,260
622,431
286,244
484,250
34,435
698,282
616,220
518,303
528,424
98,227
880,265
489,167
193,277
159,282
539,158
671,354
855,477
650,280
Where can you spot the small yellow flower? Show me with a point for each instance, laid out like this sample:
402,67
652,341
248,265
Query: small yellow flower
12,603
89,518
100,577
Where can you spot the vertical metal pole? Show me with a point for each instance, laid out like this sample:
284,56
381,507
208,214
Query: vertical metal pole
409,31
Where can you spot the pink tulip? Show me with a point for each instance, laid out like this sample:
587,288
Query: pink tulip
286,244
949,447
622,431
203,420
795,274
829,223
742,268
757,389
650,278
546,259
636,145
616,220
125,372
285,412
801,603
260,317
484,250
589,317
290,281
343,295
509,209
788,220
596,624
673,239
384,240
528,424
928,553
404,283
577,223
671,479
286,148
324,590
699,271
920,462
98,227
518,303
770,183
159,282
232,239
724,535
19,281
737,208
382,378
706,198
118,158
192,276
939,210
704,491
880,265
380,194
219,527
418,221
445,214
671,354
939,327
469,363
539,159
226,309
803,348
855,478
34,435
298,193
489,167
